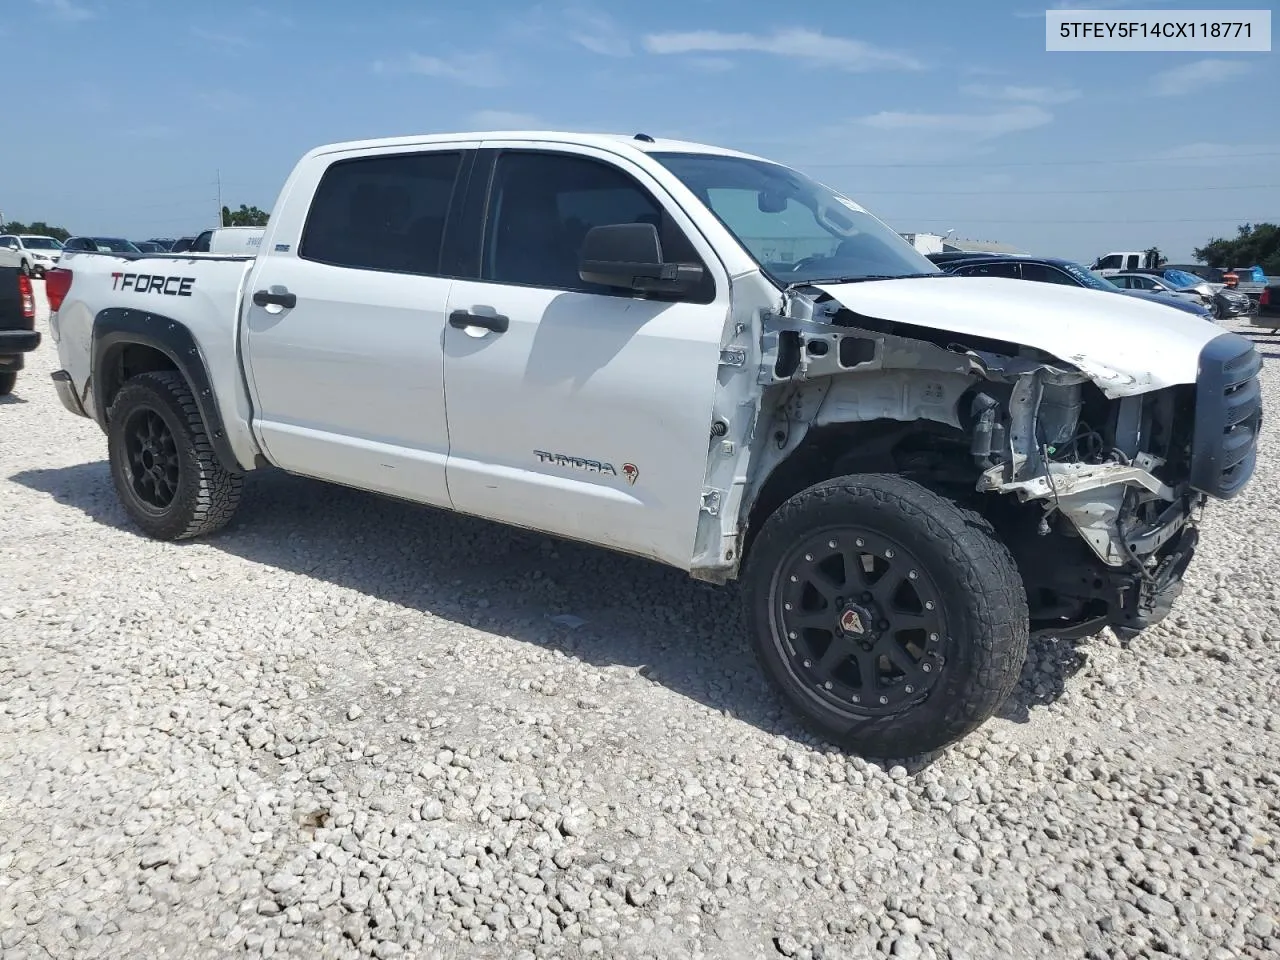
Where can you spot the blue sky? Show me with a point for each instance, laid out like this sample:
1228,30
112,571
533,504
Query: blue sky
935,115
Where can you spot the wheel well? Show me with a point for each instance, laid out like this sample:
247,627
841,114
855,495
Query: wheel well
933,454
126,361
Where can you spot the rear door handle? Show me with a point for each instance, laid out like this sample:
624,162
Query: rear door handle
494,321
263,298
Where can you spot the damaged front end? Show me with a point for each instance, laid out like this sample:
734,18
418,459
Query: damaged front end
1103,483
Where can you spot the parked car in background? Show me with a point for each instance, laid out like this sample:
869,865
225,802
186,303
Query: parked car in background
36,253
1187,280
1268,314
1055,270
165,242
150,246
99,245
18,335
1230,304
182,244
1157,284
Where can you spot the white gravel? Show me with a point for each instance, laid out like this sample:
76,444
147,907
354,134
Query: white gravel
351,727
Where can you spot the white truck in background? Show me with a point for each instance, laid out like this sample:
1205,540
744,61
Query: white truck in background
585,335
229,240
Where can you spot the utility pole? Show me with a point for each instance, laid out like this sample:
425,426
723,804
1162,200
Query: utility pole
218,221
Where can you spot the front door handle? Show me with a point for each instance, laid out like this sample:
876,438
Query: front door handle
493,321
263,298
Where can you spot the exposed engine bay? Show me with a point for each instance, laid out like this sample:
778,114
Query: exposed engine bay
1102,493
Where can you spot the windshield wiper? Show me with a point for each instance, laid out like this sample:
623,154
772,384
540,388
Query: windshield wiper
878,276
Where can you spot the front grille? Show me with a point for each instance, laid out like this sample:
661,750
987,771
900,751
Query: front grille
1224,445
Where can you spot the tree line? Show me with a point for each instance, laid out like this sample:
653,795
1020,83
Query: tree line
37,227
245,216
1253,245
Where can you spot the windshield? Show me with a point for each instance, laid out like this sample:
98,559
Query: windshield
112,245
1094,281
797,230
1180,278
41,243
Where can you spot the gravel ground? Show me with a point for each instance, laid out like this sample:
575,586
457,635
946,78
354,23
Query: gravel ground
350,727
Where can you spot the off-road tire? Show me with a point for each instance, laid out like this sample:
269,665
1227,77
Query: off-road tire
980,595
7,381
206,494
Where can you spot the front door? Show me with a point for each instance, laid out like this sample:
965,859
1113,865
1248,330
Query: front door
345,351
574,409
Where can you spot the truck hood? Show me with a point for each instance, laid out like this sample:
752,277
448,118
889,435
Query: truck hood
1126,345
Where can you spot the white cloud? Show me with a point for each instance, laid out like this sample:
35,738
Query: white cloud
473,70
1192,77
504,120
596,32
66,11
798,42
972,126
1020,94
711,64
1208,154
153,132
223,101
230,42
1074,5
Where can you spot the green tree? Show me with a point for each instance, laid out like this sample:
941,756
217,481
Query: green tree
244,217
1253,244
37,227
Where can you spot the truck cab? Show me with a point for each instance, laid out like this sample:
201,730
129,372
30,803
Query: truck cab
1124,260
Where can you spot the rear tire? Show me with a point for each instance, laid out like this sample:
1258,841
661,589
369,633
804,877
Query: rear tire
893,620
7,381
164,468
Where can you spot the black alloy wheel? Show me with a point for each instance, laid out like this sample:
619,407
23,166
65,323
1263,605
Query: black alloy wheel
152,451
166,473
892,619
860,619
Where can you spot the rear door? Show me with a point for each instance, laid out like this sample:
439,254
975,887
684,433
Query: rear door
579,410
344,332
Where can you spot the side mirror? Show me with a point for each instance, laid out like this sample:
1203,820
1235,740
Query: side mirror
629,255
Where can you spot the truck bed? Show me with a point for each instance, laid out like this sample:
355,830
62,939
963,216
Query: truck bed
203,293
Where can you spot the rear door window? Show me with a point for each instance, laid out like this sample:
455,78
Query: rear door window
1045,273
383,213
996,269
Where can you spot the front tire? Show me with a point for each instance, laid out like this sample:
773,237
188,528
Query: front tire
25,268
893,620
165,471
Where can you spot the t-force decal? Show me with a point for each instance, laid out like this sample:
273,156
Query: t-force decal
153,283
629,470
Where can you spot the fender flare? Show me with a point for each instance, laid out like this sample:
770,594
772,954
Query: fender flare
116,328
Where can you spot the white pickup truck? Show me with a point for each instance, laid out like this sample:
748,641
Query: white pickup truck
696,356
